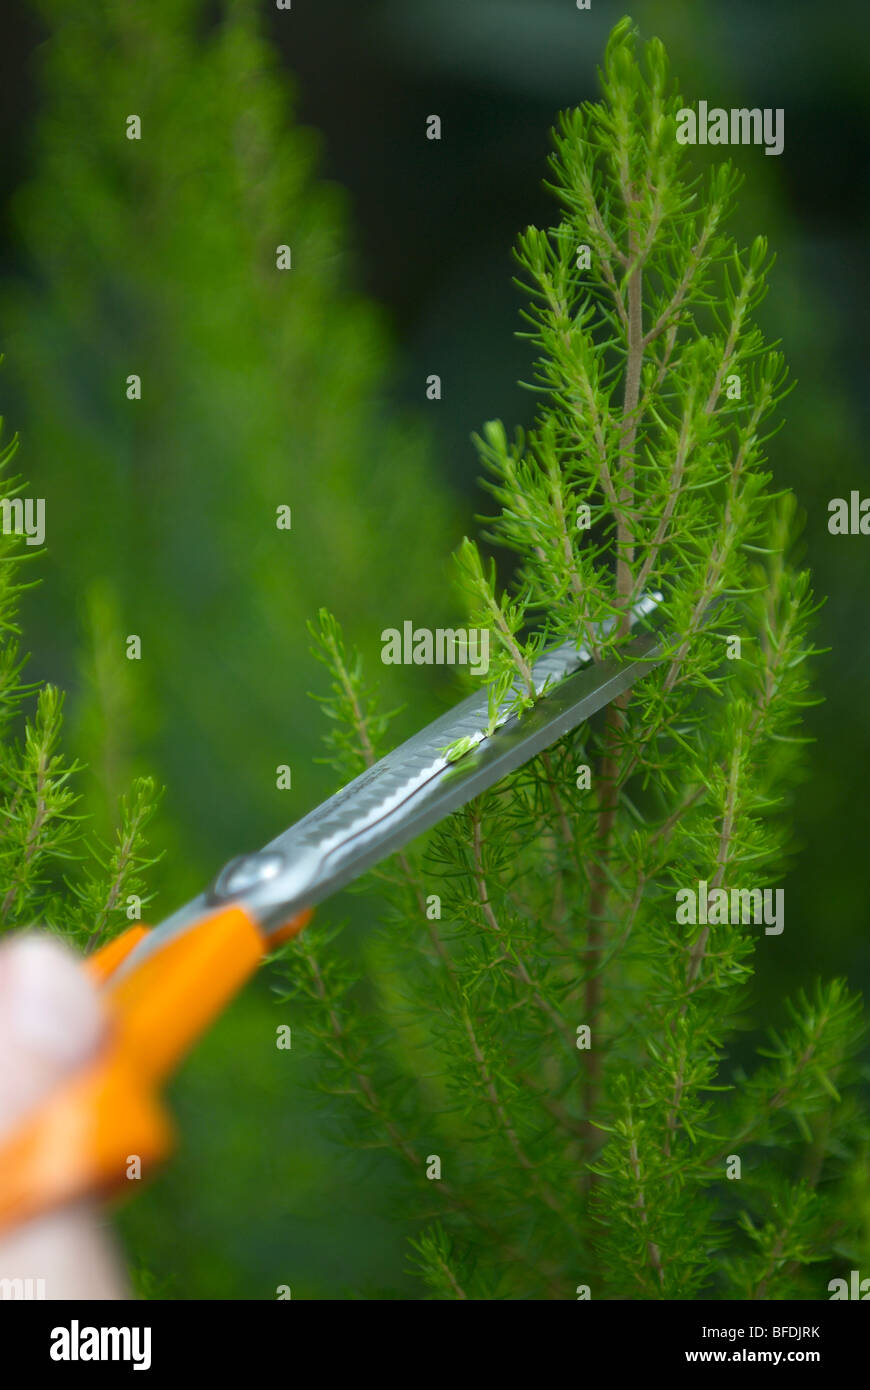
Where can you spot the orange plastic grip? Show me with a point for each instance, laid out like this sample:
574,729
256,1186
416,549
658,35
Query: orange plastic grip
85,1136
105,962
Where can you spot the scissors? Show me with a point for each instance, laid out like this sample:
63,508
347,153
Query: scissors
163,986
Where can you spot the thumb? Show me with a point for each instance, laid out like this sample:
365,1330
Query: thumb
50,1023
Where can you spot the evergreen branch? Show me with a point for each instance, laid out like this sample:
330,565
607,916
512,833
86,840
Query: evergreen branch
656,391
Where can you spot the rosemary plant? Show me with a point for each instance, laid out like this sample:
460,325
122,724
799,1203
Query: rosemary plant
551,1035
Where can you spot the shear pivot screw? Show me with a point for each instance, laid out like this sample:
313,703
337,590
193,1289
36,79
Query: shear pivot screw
246,872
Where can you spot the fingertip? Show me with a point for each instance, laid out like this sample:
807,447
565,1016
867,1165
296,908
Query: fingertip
51,1018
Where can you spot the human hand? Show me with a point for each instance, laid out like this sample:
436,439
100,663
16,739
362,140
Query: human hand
51,1021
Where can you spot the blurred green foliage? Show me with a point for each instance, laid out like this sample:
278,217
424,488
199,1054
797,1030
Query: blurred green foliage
54,871
260,389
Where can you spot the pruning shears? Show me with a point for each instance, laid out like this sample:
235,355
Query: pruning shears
162,987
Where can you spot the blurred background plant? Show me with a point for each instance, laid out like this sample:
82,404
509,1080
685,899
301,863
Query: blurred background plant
259,389
54,871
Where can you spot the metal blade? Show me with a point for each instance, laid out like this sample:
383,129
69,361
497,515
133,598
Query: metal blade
328,849
413,788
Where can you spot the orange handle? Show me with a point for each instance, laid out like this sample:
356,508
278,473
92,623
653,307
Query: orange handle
89,1133
105,962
